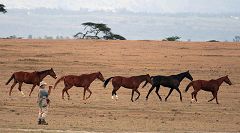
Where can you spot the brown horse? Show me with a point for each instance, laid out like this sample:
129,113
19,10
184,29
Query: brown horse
129,83
29,78
83,80
211,85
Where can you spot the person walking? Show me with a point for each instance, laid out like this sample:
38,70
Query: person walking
43,103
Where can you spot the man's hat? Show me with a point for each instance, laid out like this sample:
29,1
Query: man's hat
42,83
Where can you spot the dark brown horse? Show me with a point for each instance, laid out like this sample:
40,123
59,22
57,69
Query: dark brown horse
211,85
29,78
83,80
129,83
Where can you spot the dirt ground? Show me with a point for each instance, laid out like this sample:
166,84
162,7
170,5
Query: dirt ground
126,58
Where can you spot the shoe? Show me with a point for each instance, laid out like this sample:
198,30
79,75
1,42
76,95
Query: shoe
39,121
44,122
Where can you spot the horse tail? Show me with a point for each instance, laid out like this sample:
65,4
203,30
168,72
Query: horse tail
106,82
188,86
59,80
10,79
146,82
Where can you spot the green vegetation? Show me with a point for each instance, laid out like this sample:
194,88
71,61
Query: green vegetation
212,41
172,38
97,31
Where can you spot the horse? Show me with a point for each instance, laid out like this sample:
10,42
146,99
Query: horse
29,78
210,85
83,80
127,82
172,81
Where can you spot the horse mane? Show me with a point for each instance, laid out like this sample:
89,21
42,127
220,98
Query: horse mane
179,76
141,75
41,72
181,73
89,74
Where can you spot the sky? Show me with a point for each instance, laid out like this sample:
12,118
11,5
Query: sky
150,6
198,20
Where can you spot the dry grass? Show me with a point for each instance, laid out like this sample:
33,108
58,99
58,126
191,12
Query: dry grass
126,58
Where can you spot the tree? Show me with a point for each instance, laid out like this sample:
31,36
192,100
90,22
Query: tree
92,31
172,38
111,36
2,8
236,39
212,41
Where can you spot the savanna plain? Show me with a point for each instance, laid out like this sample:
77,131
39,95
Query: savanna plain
100,113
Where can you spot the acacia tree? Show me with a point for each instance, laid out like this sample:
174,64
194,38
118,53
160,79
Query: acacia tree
111,36
172,38
2,8
92,30
236,39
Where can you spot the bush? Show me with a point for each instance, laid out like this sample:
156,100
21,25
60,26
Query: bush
172,38
212,41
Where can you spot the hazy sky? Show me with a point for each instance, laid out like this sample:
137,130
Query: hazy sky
153,6
198,20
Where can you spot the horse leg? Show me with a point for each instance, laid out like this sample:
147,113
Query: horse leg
15,82
180,94
68,94
19,88
138,95
168,94
32,89
216,98
114,92
150,91
195,96
132,95
157,90
213,93
65,90
84,92
89,94
63,93
192,96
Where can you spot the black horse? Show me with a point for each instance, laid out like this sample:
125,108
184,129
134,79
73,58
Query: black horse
172,81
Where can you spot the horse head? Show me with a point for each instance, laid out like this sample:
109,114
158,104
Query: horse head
52,73
227,80
100,77
188,75
148,79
